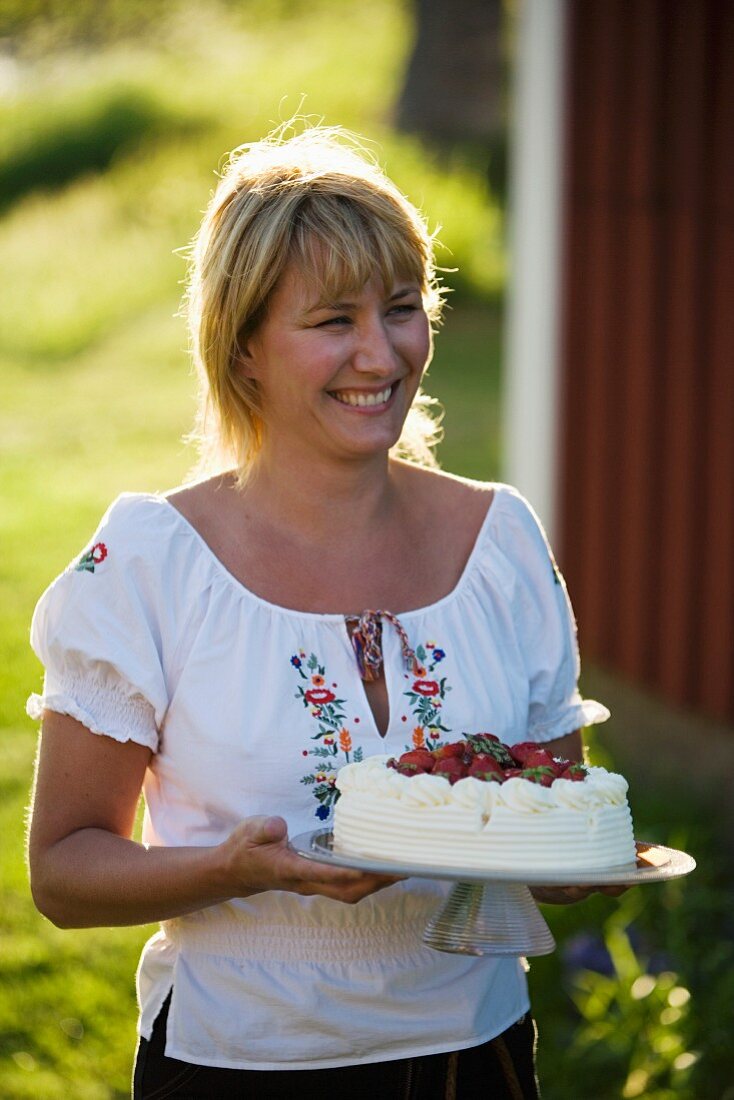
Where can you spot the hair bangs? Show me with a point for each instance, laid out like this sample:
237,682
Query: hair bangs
338,247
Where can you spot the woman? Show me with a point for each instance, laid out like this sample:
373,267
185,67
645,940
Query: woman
211,648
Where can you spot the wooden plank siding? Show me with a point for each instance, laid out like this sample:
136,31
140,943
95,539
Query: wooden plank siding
647,344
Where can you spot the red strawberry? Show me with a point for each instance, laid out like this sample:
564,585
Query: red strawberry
541,758
451,768
575,772
512,773
421,758
521,750
484,766
456,748
542,775
408,769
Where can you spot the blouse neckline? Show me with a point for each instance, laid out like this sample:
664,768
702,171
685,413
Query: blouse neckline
334,616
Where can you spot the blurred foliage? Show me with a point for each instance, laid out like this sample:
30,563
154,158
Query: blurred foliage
76,135
41,23
640,993
35,26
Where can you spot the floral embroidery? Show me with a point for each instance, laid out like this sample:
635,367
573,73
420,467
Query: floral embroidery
333,737
426,696
427,687
93,557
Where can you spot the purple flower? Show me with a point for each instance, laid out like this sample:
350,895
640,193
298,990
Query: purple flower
296,662
587,951
438,654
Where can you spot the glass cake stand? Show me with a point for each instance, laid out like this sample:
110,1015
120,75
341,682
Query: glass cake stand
493,912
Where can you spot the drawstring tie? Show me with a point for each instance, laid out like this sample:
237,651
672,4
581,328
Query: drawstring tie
367,642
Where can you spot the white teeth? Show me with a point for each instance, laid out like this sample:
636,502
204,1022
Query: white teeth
362,399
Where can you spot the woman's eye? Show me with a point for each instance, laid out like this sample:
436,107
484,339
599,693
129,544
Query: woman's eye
333,321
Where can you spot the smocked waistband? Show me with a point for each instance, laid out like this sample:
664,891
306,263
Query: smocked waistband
288,943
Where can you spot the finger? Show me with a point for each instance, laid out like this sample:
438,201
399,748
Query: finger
306,870
577,893
585,891
564,891
340,878
350,893
266,830
347,879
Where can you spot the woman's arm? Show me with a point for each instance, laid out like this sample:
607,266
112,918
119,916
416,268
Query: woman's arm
570,747
86,870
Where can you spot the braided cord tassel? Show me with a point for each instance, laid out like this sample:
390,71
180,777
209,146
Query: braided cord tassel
367,642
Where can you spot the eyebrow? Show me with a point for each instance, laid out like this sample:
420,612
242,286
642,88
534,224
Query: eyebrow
403,292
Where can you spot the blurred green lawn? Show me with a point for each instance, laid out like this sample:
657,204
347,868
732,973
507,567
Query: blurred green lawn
98,392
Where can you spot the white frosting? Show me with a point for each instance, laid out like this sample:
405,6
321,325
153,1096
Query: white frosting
515,825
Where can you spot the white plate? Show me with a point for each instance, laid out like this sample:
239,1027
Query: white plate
655,863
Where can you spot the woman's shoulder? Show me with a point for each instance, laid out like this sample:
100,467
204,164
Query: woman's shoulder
200,502
135,519
468,501
451,496
156,518
139,534
487,517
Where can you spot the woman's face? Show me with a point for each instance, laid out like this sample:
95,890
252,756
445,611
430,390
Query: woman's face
337,379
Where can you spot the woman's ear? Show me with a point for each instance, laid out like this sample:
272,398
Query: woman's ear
244,359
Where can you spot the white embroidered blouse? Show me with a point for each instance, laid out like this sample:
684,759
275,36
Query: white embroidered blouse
251,708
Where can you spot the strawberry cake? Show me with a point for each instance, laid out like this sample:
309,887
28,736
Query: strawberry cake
480,804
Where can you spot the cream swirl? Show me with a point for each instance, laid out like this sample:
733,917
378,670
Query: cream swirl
425,790
611,787
576,796
524,796
475,794
365,775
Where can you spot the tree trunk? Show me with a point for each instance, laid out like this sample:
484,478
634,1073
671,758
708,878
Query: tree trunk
453,90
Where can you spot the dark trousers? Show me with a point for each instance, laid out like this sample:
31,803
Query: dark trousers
502,1069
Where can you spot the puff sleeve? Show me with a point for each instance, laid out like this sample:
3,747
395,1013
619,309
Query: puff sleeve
546,630
97,631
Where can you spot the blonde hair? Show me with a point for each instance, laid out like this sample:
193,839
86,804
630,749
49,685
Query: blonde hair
314,199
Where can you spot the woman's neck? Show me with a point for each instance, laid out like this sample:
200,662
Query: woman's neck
317,502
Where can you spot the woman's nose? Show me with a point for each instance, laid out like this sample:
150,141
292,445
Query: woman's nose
374,353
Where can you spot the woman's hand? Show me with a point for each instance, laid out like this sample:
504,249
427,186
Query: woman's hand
257,857
86,871
567,895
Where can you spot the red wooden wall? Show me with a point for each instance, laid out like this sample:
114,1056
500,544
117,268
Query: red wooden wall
647,433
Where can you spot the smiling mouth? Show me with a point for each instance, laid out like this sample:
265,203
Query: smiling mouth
363,400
